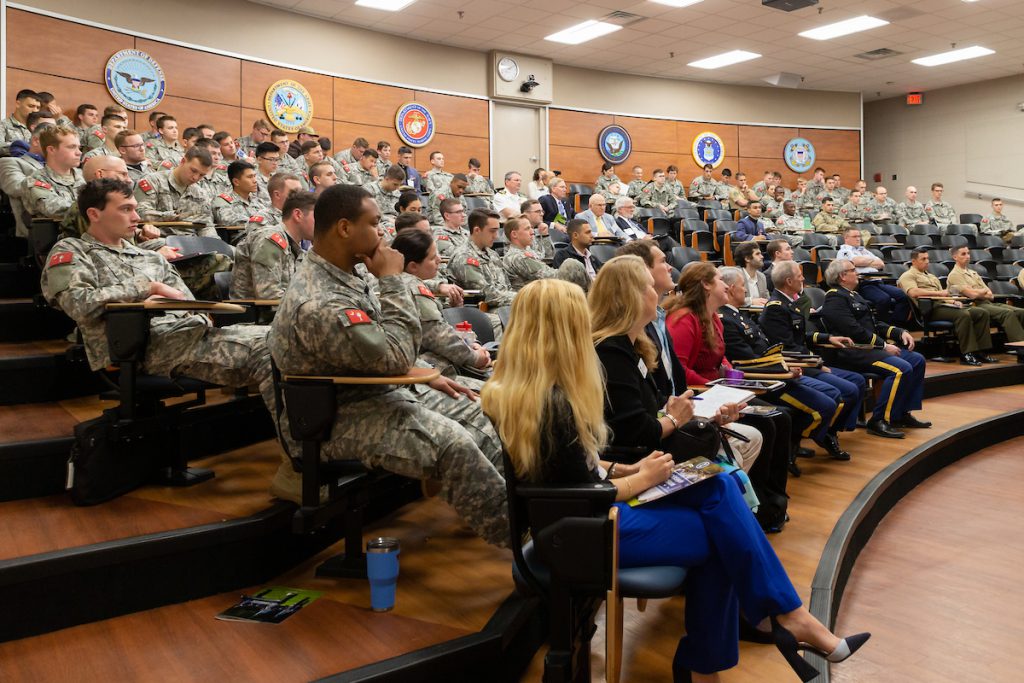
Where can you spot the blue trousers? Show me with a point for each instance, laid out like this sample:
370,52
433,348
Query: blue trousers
815,404
851,387
891,303
710,529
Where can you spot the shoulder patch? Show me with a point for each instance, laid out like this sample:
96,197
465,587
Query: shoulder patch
774,302
149,144
279,239
226,197
529,254
356,316
472,262
426,292
43,184
166,163
256,219
221,167
61,258
443,237
100,134
440,197
145,186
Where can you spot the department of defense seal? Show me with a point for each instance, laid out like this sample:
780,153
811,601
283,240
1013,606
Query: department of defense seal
135,80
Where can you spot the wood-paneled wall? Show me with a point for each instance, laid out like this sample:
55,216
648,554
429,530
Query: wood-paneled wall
67,59
658,143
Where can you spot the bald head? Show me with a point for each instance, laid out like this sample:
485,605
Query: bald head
106,167
598,204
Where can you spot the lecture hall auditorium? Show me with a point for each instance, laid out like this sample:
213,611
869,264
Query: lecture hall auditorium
173,443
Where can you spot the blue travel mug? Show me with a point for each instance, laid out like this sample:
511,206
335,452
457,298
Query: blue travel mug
382,570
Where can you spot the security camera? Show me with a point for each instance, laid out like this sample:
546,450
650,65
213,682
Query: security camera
529,84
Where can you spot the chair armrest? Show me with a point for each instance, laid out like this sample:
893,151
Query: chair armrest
602,491
258,303
414,376
577,552
158,305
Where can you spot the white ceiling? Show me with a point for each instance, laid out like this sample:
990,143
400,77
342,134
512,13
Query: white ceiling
713,26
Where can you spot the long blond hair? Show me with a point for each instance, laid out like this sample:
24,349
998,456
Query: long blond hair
616,303
546,345
690,296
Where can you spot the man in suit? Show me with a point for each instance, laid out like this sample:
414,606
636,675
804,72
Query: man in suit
625,207
557,211
580,238
749,258
752,226
601,222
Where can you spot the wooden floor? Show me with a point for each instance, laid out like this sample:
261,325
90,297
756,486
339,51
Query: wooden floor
33,348
939,581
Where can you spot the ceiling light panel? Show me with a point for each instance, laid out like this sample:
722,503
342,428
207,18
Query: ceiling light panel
581,33
844,28
954,56
724,59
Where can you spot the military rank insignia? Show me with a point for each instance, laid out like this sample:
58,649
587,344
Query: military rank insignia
356,316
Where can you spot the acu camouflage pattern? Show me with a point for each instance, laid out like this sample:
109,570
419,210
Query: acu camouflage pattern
233,209
523,266
654,196
941,212
441,345
158,152
855,213
880,213
602,183
437,181
265,260
475,268
909,214
996,225
635,187
478,185
14,171
161,198
48,195
386,201
12,129
434,206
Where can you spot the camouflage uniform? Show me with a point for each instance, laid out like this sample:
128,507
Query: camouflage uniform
996,225
941,212
12,129
441,345
474,268
382,167
246,144
880,213
345,157
854,213
437,181
150,135
330,324
841,195
829,224
233,209
760,188
101,151
48,195
14,172
635,188
448,240
677,189
83,275
262,193
602,183
805,200
265,260
271,215
793,228
479,185
139,171
909,214
703,187
722,191
772,208
386,201
160,153
434,207
653,196
360,176
161,198
814,188
523,266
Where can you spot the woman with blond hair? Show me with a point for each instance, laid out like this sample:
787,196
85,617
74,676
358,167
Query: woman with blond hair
546,399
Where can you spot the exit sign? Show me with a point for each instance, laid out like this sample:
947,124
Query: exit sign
915,98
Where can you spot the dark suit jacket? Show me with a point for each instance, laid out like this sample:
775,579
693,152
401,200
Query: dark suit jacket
412,178
550,206
568,252
633,400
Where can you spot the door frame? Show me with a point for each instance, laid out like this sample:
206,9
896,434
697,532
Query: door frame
542,129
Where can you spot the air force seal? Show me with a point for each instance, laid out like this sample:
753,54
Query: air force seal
614,144
799,155
135,80
708,148
415,124
288,105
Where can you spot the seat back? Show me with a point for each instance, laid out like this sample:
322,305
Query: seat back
222,279
688,212
974,218
474,316
950,241
900,255
197,244
1007,271
938,270
682,255
801,254
473,203
813,239
581,188
816,295
603,253
914,241
925,229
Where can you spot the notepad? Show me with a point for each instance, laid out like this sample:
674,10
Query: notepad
717,396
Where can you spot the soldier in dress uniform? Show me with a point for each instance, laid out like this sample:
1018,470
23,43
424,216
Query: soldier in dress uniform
266,257
847,313
165,149
330,323
940,212
523,263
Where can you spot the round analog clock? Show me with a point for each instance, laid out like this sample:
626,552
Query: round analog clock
508,69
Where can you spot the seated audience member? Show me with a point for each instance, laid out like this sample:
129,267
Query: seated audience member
674,185
817,183
840,194
881,208
761,186
228,147
855,209
475,265
830,185
658,195
752,226
602,222
112,125
725,186
165,150
312,153
772,203
441,346
154,116
216,180
704,186
188,137
268,162
364,172
321,176
302,136
288,162
450,235
280,186
554,430
580,238
412,176
14,171
940,212
696,330
607,177
417,431
242,205
784,322
625,208
456,190
996,223
827,223
971,323
804,197
557,211
478,184
15,126
173,195
523,264
741,195
846,313
533,212
383,157
439,285
911,212
50,191
86,116
355,152
890,302
132,148
749,258
259,135
792,225
104,166
966,281
636,183
436,179
267,256
538,186
385,193
507,200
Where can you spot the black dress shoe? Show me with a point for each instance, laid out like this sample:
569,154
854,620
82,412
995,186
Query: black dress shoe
862,424
831,445
969,359
794,469
985,358
912,422
883,428
804,452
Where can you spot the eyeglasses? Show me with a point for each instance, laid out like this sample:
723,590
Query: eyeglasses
138,146
457,211
271,159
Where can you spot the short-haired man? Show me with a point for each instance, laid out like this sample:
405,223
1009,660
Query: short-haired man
280,186
51,190
803,197
288,162
839,193
174,195
855,210
602,223
165,151
911,212
792,224
86,116
331,323
817,184
753,226
658,195
625,207
971,323
111,125
477,183
890,302
436,179
14,171
456,190
475,265
830,184
15,126
533,212
103,166
241,206
385,192
881,208
216,179
508,199
412,176
741,195
967,282
581,236
321,176
132,148
383,157
449,234
303,135
772,202
268,162
153,133
266,256
827,222
674,185
761,186
847,313
940,212
354,153
260,133
228,146
636,183
364,171
523,265
996,223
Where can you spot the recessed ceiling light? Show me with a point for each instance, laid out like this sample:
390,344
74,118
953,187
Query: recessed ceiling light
684,3
388,5
724,59
954,56
581,33
844,28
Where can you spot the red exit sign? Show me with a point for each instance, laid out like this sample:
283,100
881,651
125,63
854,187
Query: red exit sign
915,98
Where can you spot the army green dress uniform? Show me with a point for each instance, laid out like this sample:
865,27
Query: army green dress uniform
1010,318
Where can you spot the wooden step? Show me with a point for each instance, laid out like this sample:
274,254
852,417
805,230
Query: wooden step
25,319
41,371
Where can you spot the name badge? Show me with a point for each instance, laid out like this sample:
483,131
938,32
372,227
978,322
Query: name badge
642,367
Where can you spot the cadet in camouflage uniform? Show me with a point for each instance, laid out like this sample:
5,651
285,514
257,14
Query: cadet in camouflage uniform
803,197
477,183
50,191
240,205
329,323
658,195
475,265
266,258
854,211
383,158
773,205
173,195
704,186
677,189
911,212
881,208
14,172
760,188
385,193
791,223
817,184
15,127
436,179
450,235
637,184
827,223
523,264
354,153
260,133
606,179
363,173
840,194
996,223
281,186
165,148
456,189
82,275
940,212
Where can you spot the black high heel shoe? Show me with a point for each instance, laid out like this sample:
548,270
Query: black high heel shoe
790,648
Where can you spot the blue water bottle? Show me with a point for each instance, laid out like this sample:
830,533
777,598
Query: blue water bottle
382,570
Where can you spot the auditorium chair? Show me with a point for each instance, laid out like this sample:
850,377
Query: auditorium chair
950,241
704,242
687,212
571,562
993,242
915,241
897,232
1015,256
712,215
473,203
43,234
197,244
680,256
682,204
1007,271
581,188
895,270
581,201
603,253
939,333
558,237
813,239
660,225
311,403
801,254
1006,292
974,218
902,256
966,229
811,271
